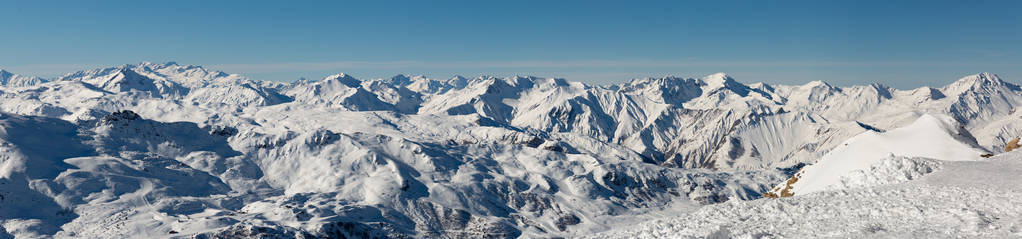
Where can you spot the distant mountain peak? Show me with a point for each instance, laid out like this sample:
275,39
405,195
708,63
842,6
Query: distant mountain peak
722,81
345,79
400,76
164,64
977,79
401,80
6,75
817,83
981,81
9,79
718,77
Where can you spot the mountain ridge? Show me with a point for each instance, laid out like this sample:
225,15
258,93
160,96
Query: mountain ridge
461,157
619,111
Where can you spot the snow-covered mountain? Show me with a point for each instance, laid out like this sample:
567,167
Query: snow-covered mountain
8,79
161,150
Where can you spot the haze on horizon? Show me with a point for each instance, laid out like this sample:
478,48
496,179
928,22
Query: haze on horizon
902,44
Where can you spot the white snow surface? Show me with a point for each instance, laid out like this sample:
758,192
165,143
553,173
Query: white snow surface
894,169
931,136
8,79
961,199
155,150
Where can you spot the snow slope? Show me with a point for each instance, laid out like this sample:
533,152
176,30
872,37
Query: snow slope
973,199
931,136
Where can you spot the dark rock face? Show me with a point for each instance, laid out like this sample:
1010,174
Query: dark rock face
222,131
124,115
563,222
249,231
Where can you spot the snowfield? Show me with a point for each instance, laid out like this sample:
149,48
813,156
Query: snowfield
970,199
166,150
931,136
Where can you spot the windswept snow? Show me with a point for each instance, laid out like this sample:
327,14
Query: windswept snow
972,199
931,136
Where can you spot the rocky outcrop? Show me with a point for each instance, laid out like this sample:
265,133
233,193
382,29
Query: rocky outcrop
1011,145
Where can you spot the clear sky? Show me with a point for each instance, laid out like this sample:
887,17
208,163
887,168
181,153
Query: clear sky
904,44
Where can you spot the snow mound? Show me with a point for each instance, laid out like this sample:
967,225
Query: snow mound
930,136
894,169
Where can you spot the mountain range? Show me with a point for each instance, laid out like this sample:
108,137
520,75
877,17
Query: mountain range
164,150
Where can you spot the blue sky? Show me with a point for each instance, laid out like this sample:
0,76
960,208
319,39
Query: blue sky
904,44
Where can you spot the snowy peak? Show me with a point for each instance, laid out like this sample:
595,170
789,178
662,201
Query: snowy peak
979,82
424,85
162,65
668,89
881,90
340,90
819,86
981,78
127,80
814,91
940,125
88,75
718,80
344,79
722,81
170,73
184,74
458,81
928,93
121,80
762,87
403,80
982,97
8,79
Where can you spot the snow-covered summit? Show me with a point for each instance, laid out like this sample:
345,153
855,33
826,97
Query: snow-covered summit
983,83
722,80
8,79
341,78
